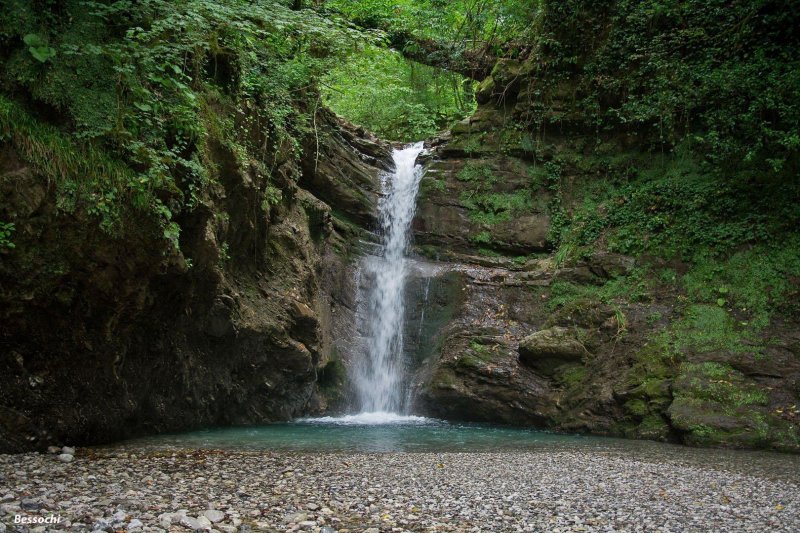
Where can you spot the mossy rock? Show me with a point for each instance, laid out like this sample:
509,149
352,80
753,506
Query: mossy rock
652,389
653,427
331,380
637,407
719,383
584,312
481,352
549,349
571,376
444,378
716,405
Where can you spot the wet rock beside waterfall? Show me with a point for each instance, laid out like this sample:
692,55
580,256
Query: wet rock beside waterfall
548,349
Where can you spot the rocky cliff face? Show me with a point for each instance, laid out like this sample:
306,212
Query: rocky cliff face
105,338
588,344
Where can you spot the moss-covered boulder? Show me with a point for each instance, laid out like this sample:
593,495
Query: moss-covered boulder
549,349
716,405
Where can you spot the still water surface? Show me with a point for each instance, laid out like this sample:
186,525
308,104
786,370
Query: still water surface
386,432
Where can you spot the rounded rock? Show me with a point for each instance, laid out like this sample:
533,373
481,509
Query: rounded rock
214,515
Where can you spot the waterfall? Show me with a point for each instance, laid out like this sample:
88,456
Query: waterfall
379,376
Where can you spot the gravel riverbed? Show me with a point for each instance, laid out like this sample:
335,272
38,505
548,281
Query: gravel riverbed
226,491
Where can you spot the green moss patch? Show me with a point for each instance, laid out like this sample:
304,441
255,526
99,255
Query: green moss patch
715,405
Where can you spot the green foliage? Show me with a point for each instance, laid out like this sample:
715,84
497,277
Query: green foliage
121,121
671,206
633,287
6,231
706,328
476,172
488,26
272,196
724,75
756,281
484,237
84,174
38,48
396,98
492,208
558,216
485,206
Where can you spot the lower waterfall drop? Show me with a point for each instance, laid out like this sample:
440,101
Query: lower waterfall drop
380,375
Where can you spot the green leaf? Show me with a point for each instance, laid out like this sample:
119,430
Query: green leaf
38,47
34,41
42,54
721,302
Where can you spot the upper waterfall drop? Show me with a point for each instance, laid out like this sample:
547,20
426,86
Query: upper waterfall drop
380,375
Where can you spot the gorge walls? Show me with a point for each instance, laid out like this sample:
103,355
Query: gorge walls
563,322
105,338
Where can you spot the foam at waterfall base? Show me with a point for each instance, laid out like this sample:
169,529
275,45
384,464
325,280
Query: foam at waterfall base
378,418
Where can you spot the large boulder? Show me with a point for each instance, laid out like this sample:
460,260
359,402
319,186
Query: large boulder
548,349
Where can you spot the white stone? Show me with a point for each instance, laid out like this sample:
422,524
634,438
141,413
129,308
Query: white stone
214,515
190,523
65,458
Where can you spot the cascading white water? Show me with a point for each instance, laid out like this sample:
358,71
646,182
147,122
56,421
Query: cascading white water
379,376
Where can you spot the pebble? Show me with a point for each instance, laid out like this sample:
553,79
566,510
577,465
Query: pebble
559,490
214,516
68,450
65,458
29,504
189,522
